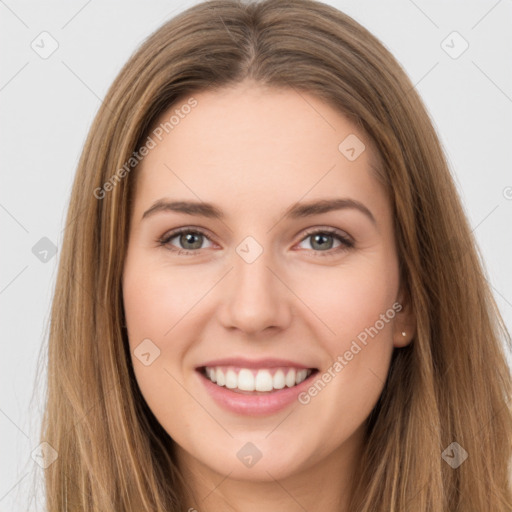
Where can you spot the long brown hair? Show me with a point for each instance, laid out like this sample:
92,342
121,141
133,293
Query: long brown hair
450,385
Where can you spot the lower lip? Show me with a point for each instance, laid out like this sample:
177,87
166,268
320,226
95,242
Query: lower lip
254,405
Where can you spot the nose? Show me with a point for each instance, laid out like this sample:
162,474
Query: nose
255,296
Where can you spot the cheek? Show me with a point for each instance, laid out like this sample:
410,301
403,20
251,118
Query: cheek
355,306
145,308
162,305
157,299
349,300
156,308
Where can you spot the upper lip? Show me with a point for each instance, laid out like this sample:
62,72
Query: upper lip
255,363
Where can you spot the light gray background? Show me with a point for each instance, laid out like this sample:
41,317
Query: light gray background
48,105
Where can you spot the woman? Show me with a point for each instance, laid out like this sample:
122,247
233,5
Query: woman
328,342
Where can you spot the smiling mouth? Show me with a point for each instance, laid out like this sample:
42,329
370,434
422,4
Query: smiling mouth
262,381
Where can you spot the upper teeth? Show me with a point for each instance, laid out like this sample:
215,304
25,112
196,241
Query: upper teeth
256,380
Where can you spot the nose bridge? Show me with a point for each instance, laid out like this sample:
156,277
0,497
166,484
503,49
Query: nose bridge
257,299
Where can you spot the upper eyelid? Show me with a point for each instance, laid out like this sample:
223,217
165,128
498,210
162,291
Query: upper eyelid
187,229
329,230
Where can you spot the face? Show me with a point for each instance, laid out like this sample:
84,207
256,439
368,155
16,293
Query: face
259,286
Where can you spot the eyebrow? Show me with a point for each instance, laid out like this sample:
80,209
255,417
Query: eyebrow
298,210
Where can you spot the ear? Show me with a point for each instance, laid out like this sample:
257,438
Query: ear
404,327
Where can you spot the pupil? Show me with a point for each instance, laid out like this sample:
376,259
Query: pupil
188,238
322,244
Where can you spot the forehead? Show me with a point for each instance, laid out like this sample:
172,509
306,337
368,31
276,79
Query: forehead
253,147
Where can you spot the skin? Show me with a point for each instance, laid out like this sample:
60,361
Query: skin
255,151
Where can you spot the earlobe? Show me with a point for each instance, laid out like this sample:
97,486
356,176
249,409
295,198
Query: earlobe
402,338
405,324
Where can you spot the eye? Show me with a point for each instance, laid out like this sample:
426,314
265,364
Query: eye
322,239
190,240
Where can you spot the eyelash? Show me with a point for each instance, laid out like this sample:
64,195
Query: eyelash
346,242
